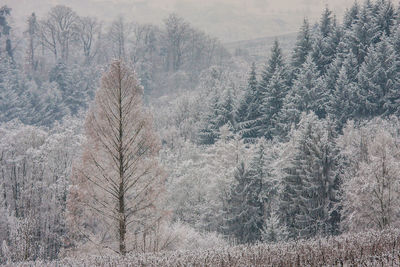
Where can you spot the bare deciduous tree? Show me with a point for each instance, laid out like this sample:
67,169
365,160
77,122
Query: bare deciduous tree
143,43
118,36
88,29
57,31
31,34
176,38
118,181
371,182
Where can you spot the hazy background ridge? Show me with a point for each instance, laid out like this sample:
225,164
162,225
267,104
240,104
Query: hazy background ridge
230,20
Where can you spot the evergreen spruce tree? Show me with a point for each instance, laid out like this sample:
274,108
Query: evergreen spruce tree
226,113
275,62
248,112
239,215
332,71
11,101
221,111
273,89
32,33
378,82
209,132
310,180
364,33
245,205
61,75
302,49
245,101
319,196
326,23
73,96
272,102
291,186
47,104
385,17
339,38
351,16
264,166
326,42
342,100
307,94
23,99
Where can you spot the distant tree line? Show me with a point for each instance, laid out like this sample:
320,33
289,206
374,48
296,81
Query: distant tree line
52,69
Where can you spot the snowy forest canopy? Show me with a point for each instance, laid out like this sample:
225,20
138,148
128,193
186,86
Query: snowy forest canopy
306,144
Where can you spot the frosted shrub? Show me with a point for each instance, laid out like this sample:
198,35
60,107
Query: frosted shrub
188,238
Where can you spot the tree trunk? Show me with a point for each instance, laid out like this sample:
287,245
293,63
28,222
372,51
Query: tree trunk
122,217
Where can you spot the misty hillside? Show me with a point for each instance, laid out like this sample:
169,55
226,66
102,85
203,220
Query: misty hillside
231,20
259,49
165,143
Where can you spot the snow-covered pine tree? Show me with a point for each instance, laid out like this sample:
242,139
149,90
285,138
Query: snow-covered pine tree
221,111
47,104
302,49
248,96
209,131
61,74
247,201
306,94
273,89
341,101
310,180
363,33
274,63
351,16
10,89
339,39
326,42
248,112
226,114
272,104
264,160
234,205
319,214
378,82
332,71
385,17
74,96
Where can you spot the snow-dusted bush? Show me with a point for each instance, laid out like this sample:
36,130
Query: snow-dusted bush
187,238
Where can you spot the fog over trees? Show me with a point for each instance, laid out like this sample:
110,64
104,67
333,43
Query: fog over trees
120,138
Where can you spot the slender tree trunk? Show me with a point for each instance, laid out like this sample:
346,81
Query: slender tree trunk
122,217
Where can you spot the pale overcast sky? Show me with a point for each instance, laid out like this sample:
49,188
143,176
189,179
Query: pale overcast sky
230,20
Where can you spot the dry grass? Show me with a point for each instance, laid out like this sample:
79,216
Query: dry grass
365,249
